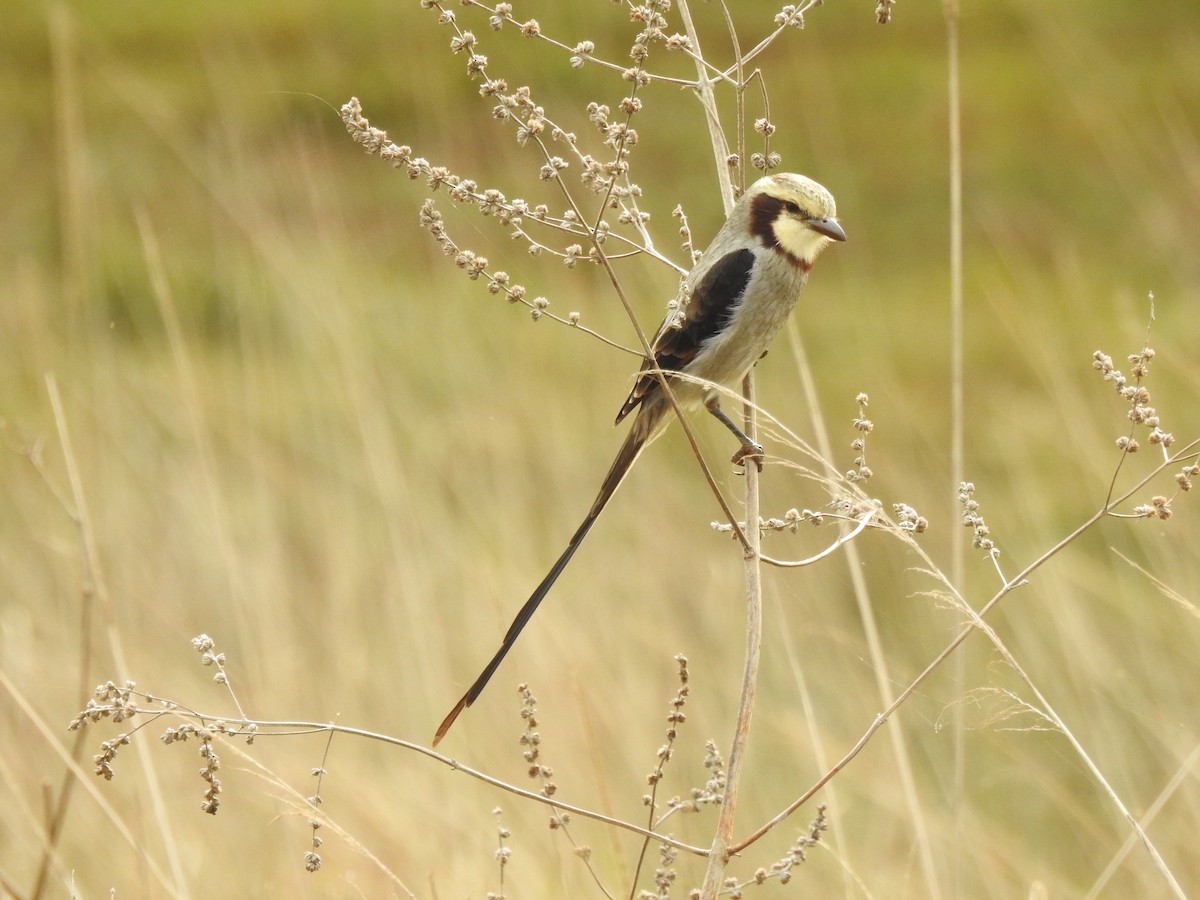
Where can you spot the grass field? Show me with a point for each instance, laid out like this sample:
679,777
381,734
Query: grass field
243,394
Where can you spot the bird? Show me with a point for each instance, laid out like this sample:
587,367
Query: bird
738,294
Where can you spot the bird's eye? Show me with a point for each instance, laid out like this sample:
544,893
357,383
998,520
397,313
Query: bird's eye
792,206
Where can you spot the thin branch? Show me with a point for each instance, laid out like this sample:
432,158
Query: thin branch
271,728
879,662
950,13
719,854
769,39
1020,579
170,882
95,582
708,101
862,522
661,374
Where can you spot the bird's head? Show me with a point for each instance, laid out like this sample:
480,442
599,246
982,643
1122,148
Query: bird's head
793,215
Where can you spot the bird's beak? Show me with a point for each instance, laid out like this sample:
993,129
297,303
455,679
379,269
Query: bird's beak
828,227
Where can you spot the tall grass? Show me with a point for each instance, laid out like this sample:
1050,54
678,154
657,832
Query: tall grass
294,427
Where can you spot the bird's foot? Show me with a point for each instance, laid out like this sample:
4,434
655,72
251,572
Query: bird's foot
749,451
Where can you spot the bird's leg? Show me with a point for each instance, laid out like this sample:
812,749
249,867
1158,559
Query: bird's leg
749,449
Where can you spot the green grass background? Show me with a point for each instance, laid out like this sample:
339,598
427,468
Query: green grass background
349,465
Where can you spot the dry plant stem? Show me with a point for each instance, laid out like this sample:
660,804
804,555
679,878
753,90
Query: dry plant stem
1138,831
591,58
708,101
1048,711
642,339
189,384
539,771
957,425
1182,774
899,746
663,380
821,436
301,807
1170,593
766,42
878,658
73,178
663,757
94,575
57,803
1112,486
1018,580
718,854
861,524
605,261
269,729
171,883
739,92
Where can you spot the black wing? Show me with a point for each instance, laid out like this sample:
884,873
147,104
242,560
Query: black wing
708,311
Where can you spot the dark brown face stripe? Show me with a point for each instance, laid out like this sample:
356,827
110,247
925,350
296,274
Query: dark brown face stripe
764,210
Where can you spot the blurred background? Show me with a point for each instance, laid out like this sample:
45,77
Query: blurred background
297,428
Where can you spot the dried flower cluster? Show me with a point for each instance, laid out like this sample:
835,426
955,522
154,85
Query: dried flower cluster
782,869
121,703
864,426
711,793
971,518
675,718
797,853
1142,415
531,741
108,702
516,214
312,857
767,159
791,16
204,645
1136,394
602,176
1185,476
604,172
503,852
908,519
1159,507
847,506
664,874
791,521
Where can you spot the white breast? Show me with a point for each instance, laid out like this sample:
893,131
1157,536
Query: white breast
770,295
